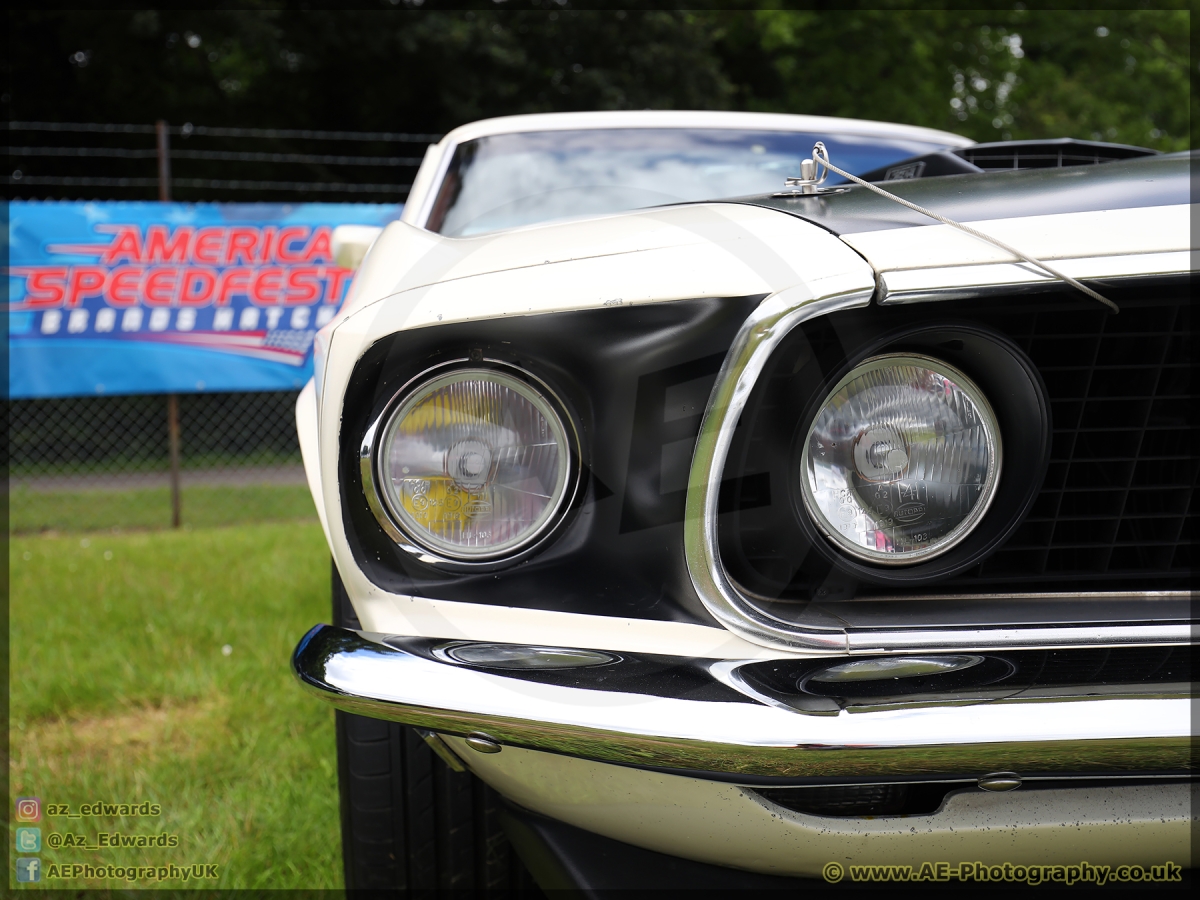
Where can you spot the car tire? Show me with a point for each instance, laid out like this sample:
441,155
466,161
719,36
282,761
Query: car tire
409,821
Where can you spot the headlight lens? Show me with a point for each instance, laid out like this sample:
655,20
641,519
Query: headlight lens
474,464
901,461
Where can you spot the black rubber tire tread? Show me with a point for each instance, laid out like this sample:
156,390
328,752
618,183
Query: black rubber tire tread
409,822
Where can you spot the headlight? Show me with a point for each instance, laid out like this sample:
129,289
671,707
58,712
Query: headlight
901,461
473,465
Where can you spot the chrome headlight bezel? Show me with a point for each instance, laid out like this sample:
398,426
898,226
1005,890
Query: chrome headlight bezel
374,479
962,530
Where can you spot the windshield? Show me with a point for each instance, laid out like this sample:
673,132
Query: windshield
509,180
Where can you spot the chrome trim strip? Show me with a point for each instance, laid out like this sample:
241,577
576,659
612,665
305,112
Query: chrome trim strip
898,286
1046,595
757,339
718,729
366,465
1051,636
828,628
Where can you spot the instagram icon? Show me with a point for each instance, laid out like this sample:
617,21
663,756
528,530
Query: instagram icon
29,809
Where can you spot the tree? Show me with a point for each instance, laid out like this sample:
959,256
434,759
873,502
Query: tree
1118,75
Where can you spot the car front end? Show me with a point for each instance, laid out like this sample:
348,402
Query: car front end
582,487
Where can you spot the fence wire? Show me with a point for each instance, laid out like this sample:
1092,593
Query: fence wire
79,443
98,160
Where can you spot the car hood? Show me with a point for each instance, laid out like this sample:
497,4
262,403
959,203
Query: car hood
1144,182
1135,206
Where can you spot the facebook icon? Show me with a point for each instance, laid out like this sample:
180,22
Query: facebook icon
29,868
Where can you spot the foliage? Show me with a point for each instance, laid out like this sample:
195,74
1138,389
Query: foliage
1115,74
400,69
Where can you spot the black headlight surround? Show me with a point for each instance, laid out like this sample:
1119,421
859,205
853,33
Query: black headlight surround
769,545
1013,387
618,549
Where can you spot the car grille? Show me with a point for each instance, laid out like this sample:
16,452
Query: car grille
851,800
916,799
1109,666
1046,154
1117,508
1118,505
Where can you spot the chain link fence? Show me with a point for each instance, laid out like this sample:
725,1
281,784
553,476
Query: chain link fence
76,443
88,463
76,462
79,160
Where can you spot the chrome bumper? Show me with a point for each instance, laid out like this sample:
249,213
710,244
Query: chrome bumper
708,717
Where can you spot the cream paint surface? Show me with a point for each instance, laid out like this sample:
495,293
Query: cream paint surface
1115,232
727,825
958,277
306,430
704,250
405,257
697,119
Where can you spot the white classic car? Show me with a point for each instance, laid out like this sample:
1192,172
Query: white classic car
690,542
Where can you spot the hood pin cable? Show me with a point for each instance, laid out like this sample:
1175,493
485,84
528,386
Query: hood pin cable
809,179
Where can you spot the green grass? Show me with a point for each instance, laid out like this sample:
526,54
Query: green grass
261,457
94,510
120,691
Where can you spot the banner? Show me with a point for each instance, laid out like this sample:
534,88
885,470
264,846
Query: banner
138,298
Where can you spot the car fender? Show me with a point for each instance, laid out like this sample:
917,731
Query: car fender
657,255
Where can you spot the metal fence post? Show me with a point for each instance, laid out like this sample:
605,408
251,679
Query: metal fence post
173,438
164,194
164,160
